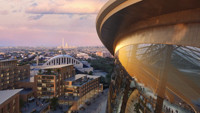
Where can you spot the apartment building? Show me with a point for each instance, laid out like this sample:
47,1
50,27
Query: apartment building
50,80
11,73
80,89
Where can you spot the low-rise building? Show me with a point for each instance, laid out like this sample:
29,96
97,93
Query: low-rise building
83,56
104,54
9,101
28,93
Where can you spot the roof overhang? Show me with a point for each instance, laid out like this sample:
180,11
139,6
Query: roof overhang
118,15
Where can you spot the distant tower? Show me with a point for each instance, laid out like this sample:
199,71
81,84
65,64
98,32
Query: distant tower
63,46
63,43
37,59
66,45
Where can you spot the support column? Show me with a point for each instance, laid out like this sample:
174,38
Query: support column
163,78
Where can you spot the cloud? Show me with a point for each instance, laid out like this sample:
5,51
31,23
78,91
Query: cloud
34,4
24,36
66,7
35,17
73,20
4,12
16,11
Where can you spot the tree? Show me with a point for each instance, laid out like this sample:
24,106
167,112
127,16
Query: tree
102,79
58,71
90,73
108,78
49,71
21,103
40,72
54,103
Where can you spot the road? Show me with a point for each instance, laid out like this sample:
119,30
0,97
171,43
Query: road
98,105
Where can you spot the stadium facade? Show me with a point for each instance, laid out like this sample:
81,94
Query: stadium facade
156,44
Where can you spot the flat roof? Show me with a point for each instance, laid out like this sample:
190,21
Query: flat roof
55,66
70,79
6,94
26,91
78,76
30,79
89,76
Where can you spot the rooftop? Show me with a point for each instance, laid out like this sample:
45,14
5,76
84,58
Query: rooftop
26,91
81,79
70,79
88,76
30,79
6,94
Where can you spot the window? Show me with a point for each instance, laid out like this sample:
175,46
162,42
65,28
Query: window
44,85
8,107
13,108
14,101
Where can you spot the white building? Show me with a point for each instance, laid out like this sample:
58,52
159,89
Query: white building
66,59
63,59
83,55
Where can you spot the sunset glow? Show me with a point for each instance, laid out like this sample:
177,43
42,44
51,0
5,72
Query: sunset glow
46,22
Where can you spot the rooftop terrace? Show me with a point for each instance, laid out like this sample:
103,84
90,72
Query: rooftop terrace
81,79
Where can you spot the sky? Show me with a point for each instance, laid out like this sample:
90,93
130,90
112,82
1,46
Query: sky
47,22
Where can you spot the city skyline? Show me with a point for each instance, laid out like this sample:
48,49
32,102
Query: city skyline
46,23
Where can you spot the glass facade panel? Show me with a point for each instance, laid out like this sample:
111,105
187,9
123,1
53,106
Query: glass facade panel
166,77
